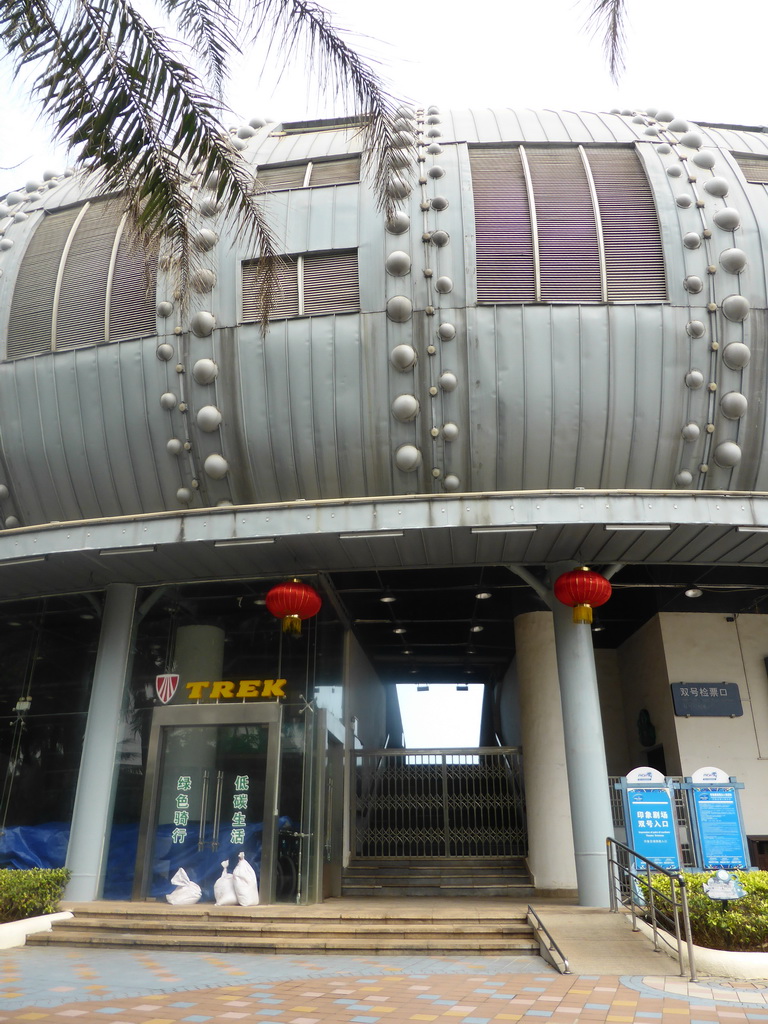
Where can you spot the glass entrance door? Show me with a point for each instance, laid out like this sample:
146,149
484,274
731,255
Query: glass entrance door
210,793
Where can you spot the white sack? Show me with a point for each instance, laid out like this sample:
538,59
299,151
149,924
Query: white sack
186,892
246,886
224,888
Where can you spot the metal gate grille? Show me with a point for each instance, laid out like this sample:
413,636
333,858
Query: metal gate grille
439,803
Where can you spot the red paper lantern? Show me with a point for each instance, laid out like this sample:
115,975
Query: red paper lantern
293,602
582,590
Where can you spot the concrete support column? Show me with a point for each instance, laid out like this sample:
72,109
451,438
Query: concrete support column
585,755
550,840
92,815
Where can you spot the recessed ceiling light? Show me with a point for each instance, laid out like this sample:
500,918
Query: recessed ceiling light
407,652
483,595
387,598
476,629
693,592
400,629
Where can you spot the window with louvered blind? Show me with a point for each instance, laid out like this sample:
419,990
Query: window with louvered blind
565,224
318,172
315,284
754,168
81,283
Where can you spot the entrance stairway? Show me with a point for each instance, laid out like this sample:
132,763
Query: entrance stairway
410,926
454,876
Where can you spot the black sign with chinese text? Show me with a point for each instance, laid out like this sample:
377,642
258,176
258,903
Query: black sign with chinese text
716,700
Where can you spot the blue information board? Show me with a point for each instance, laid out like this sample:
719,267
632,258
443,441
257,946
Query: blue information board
651,826
720,835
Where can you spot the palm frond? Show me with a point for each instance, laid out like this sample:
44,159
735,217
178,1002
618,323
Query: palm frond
607,20
211,27
301,28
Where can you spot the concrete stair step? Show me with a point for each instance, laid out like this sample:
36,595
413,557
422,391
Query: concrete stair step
486,945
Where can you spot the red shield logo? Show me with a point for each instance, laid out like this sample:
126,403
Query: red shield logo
165,687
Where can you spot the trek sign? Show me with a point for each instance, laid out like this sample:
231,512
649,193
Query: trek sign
222,689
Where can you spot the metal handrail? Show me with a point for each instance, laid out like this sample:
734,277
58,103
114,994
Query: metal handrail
627,869
539,926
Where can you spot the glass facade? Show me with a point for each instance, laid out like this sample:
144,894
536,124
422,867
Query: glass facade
194,646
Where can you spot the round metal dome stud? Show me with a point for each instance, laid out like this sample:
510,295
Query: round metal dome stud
408,458
239,144
692,240
664,148
399,188
439,203
4,492
12,522
448,381
403,357
205,371
690,432
165,352
736,355
450,431
651,130
434,149
202,281
734,405
246,131
14,198
446,332
684,478
691,140
733,260
6,244
695,329
257,122
716,187
684,201
735,308
434,118
443,285
664,115
168,400
174,446
440,238
405,408
694,379
209,418
50,175
205,239
433,109
398,263
728,219
209,207
436,172
202,324
403,139
400,159
693,284
216,466
164,309
184,495
675,171
398,223
20,217
678,124
704,158
638,119
399,309
727,454
451,482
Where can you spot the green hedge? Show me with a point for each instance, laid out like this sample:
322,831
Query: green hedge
742,925
30,893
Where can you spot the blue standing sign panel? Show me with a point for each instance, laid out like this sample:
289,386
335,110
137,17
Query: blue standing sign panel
651,818
718,820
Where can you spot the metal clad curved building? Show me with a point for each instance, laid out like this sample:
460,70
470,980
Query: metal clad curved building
553,353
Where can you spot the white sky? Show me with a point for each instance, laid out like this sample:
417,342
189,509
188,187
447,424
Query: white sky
442,716
702,61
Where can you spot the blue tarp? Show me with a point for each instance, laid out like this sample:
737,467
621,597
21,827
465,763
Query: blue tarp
45,846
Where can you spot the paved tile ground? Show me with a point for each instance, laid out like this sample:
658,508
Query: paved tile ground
122,987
